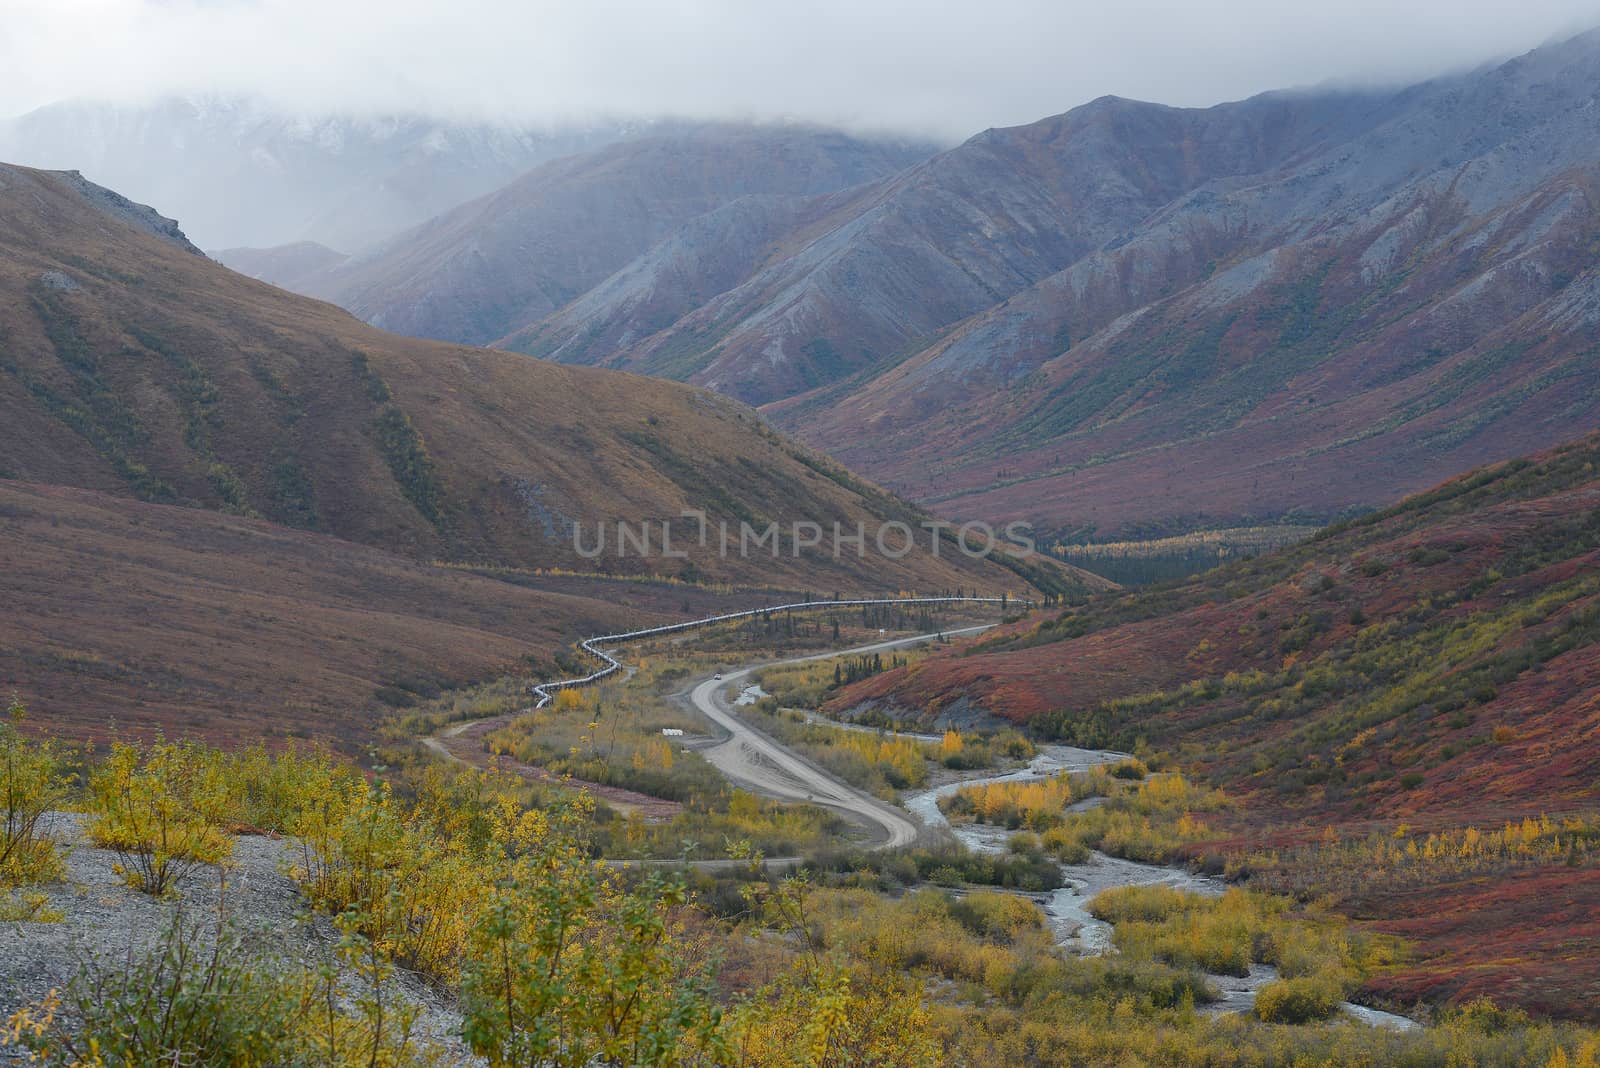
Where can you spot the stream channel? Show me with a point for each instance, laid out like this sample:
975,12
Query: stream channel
1067,909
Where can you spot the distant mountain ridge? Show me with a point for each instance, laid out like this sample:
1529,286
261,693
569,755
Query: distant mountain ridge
295,267
498,264
955,235
1379,315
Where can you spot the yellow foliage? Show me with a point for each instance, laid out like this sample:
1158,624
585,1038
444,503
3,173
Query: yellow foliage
569,701
162,810
32,782
1442,854
744,807
951,744
824,1016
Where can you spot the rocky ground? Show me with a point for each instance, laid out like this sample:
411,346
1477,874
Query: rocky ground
107,920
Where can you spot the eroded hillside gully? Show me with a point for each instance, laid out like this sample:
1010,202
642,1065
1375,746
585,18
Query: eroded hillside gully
1067,909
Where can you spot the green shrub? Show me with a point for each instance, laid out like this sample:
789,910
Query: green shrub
1066,845
181,1003
407,455
19,907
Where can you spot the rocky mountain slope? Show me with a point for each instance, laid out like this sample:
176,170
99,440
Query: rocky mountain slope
953,236
1126,319
505,261
1386,311
240,172
131,364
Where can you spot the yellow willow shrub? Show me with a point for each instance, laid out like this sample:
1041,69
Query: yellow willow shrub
274,791
570,701
823,1015
655,753
1149,821
567,969
1185,929
1034,804
951,744
1168,790
928,930
1438,856
32,782
162,810
1142,904
1587,1055
1066,844
901,759
1011,744
1096,782
1124,834
411,891
461,806
319,829
826,1010
1038,804
990,914
749,817
1227,934
1298,1001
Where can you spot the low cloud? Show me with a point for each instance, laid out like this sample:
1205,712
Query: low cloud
930,67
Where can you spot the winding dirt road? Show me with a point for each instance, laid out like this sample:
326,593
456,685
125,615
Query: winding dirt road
749,757
755,761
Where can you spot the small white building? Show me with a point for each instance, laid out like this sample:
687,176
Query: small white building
671,732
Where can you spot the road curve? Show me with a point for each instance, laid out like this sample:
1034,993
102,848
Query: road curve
754,760
748,756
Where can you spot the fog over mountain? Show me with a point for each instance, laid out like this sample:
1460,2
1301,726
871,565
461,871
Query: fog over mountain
238,171
923,67
274,122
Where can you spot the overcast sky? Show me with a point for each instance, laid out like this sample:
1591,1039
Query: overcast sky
930,67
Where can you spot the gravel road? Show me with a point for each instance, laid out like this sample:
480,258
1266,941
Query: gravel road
755,761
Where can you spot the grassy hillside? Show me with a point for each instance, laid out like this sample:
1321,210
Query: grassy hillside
1449,637
1381,699
131,364
119,617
